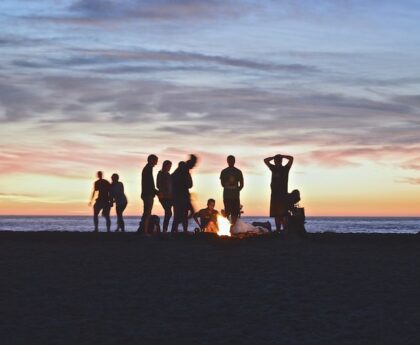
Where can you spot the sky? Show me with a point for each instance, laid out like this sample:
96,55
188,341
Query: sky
88,85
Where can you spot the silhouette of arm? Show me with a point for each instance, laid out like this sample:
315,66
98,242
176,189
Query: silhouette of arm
196,220
189,181
92,196
267,162
241,181
222,179
290,160
111,197
159,181
159,184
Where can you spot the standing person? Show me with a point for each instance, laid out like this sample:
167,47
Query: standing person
208,217
232,181
118,197
164,185
279,188
182,182
148,192
101,188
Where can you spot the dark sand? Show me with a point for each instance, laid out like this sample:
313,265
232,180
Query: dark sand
80,288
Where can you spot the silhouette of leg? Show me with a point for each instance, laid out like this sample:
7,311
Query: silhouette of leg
175,221
232,209
122,224
119,215
185,219
105,212
96,210
285,222
278,223
167,206
147,212
227,208
177,215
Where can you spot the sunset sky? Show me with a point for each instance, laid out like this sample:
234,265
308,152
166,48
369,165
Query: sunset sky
98,85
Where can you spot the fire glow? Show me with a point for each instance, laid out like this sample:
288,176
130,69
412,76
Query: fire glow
224,226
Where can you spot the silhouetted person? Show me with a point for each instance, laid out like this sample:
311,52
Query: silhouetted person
101,187
148,192
206,218
164,185
118,197
279,188
232,181
181,183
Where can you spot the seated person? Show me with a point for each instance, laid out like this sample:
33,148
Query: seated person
208,217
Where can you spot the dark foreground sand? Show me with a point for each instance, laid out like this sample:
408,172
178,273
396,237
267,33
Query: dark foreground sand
74,288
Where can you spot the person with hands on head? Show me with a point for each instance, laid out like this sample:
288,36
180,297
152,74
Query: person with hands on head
279,205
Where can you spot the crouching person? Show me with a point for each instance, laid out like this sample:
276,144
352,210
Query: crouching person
206,218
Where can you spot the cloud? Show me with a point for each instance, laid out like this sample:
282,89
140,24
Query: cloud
20,41
352,156
410,180
412,164
260,114
409,100
98,12
159,9
62,158
145,61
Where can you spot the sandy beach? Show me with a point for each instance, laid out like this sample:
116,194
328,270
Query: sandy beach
86,288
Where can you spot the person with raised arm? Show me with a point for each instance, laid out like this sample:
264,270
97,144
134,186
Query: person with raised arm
182,182
232,181
118,197
279,204
101,188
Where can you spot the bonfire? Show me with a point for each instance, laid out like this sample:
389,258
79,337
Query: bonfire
224,226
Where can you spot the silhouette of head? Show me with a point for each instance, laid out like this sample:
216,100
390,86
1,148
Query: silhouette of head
152,160
211,203
231,161
166,166
278,159
99,174
115,178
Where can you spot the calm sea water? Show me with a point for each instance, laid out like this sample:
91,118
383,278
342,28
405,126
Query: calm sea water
313,224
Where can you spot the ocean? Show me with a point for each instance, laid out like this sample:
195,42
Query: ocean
408,225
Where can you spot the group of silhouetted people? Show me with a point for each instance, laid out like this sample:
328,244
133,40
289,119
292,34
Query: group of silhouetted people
173,192
108,195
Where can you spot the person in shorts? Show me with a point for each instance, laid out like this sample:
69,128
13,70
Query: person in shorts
232,181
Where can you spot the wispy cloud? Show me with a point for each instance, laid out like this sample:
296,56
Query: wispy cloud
410,180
